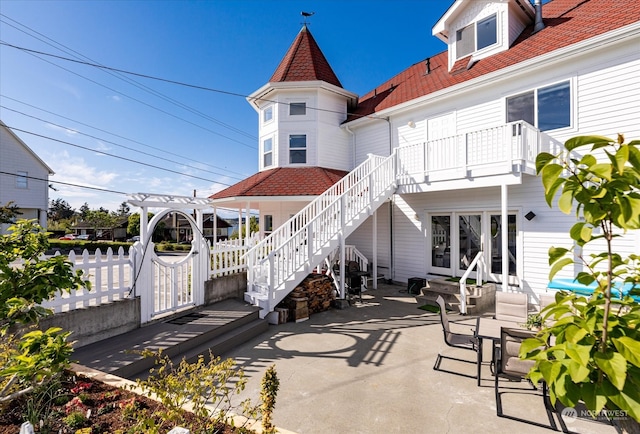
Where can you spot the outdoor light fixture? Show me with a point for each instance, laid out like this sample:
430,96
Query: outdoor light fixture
530,215
411,124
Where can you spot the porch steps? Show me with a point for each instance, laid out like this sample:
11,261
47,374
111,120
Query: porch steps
218,327
480,299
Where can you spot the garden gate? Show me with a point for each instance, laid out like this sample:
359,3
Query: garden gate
164,285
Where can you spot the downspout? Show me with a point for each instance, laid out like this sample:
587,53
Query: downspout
353,141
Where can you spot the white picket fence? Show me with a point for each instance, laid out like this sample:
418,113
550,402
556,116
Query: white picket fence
111,278
112,275
228,257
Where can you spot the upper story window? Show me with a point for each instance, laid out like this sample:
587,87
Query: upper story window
267,152
298,148
298,108
22,179
267,114
477,36
547,108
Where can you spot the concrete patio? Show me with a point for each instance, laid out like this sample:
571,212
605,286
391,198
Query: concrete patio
369,369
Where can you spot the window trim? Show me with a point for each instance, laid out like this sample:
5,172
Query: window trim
475,48
267,109
536,108
291,136
269,152
298,104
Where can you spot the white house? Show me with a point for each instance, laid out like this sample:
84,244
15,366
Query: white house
24,178
440,157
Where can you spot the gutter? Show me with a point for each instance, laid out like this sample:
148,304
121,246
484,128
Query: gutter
526,67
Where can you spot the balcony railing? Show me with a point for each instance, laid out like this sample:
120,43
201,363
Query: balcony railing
508,148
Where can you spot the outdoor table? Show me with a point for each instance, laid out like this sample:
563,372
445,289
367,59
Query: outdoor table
489,328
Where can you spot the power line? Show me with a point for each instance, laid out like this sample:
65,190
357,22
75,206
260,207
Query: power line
106,190
116,156
124,78
125,95
179,83
114,143
119,136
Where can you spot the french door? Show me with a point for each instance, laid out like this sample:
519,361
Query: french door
456,238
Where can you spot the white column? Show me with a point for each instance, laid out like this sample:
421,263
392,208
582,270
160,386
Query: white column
505,236
343,267
144,226
374,246
215,225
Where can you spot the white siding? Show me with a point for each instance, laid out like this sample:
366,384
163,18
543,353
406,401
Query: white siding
334,149
14,157
374,139
362,238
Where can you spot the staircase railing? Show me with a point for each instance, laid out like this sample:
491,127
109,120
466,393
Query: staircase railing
478,262
290,248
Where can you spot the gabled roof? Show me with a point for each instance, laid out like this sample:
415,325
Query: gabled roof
284,181
567,22
27,148
304,61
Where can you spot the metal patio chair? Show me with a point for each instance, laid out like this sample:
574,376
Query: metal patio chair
456,340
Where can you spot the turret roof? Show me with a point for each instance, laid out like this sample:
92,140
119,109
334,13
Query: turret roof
304,61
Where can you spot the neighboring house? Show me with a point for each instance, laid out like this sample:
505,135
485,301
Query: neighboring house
103,233
463,128
24,178
176,228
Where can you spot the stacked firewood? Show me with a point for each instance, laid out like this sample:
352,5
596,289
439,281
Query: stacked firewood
317,289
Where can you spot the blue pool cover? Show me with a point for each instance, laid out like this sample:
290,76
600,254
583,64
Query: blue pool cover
569,284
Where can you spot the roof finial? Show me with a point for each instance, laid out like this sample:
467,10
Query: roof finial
306,15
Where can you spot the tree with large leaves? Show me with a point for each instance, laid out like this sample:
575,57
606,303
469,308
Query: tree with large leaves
589,349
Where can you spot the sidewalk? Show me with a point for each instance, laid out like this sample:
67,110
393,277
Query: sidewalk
369,369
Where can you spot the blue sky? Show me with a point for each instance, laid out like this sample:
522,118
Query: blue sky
232,46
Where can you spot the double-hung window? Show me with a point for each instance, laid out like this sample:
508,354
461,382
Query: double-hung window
547,108
267,152
297,148
477,36
22,179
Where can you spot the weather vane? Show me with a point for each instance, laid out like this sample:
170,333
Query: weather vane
306,15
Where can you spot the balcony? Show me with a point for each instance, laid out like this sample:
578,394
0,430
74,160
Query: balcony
489,155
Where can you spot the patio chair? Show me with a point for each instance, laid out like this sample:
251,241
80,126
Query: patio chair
455,340
353,280
508,365
512,306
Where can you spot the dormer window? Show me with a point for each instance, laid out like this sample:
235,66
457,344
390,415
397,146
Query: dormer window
477,36
298,108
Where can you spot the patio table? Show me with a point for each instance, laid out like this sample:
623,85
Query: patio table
489,328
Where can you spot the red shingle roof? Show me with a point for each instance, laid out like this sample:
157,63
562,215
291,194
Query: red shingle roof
304,61
284,181
567,22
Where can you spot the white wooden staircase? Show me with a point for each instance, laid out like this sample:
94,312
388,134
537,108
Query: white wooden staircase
277,264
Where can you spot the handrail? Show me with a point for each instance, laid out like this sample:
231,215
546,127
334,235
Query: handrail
305,234
479,259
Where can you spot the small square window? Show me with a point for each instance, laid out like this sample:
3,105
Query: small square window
298,108
22,179
267,114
